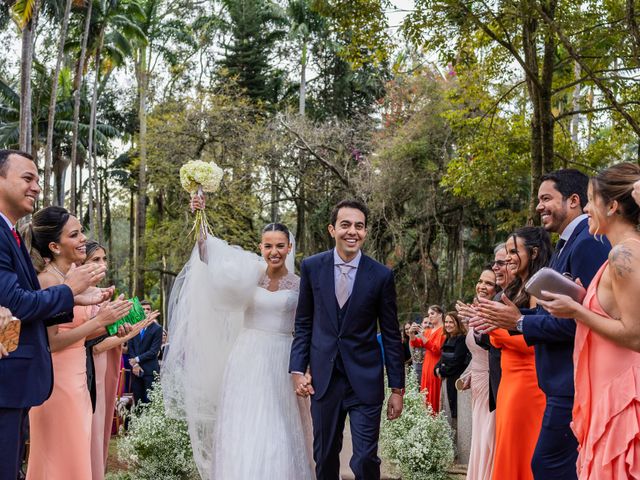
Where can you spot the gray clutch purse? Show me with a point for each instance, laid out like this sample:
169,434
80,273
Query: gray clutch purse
552,281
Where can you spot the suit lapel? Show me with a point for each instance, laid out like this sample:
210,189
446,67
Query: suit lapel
21,255
562,258
328,283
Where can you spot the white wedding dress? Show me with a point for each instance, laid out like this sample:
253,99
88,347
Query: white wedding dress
226,372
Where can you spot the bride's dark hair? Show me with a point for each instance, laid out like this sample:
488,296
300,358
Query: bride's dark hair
277,227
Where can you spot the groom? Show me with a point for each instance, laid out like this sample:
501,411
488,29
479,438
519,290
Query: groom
344,296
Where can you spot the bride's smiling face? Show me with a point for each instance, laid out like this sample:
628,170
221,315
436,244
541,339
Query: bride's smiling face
275,247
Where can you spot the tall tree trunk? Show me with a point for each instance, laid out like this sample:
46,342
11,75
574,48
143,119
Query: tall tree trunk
26,63
48,148
141,210
108,227
546,84
132,216
93,174
77,97
529,28
303,79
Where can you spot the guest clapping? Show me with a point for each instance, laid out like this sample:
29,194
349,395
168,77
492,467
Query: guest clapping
60,429
607,341
26,374
517,421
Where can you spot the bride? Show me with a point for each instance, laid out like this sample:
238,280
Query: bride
231,318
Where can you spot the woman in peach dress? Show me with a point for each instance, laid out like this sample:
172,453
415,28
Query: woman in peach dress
606,411
431,340
106,353
60,428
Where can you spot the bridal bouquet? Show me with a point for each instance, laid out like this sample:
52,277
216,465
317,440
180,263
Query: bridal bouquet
198,176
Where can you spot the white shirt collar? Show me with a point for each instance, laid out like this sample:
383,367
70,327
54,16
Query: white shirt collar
4,217
337,260
568,231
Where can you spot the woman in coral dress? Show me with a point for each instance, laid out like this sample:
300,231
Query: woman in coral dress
60,428
606,411
520,403
431,340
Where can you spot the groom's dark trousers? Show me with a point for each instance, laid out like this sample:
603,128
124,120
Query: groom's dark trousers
552,338
26,375
345,360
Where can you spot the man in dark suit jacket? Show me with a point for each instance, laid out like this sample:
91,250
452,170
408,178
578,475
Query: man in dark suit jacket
344,296
143,350
562,196
26,374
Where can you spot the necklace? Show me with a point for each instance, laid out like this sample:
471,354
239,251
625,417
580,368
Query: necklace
62,275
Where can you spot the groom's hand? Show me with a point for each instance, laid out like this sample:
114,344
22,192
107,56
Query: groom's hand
394,405
302,384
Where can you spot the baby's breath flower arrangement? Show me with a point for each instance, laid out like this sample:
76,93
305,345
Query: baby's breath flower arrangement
198,176
419,442
156,447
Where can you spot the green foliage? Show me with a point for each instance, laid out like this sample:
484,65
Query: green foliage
156,446
255,27
420,442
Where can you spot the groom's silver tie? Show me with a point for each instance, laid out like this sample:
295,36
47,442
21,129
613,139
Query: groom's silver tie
342,286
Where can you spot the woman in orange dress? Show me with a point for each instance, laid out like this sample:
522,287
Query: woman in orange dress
520,402
606,411
60,428
431,340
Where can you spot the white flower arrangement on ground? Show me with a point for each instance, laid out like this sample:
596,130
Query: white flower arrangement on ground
419,442
196,177
155,447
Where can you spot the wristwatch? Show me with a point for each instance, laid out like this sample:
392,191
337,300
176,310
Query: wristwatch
519,323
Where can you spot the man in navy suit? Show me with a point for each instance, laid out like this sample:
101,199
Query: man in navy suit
561,198
344,296
143,351
26,374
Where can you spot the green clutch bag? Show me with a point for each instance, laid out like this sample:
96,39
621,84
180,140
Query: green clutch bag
135,315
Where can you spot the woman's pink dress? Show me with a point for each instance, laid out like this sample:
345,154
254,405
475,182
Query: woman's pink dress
483,421
606,410
60,428
107,366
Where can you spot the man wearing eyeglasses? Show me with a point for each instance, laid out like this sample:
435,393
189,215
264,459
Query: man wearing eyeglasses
561,197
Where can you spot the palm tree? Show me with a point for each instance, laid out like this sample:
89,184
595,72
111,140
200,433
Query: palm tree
26,13
48,151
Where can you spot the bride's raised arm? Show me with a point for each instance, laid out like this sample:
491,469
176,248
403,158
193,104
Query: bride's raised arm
198,202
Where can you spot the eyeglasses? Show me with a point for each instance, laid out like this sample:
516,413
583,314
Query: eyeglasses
499,263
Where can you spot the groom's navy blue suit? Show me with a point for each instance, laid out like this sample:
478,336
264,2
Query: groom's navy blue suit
552,338
339,346
26,375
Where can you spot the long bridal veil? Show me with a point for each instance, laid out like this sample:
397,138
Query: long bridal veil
206,309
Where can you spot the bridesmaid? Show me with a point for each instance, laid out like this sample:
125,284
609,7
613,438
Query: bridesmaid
60,429
431,340
606,356
520,403
106,353
483,420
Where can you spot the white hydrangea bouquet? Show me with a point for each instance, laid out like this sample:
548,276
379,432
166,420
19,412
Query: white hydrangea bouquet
196,177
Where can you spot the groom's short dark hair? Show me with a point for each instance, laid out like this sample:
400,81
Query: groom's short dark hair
358,205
